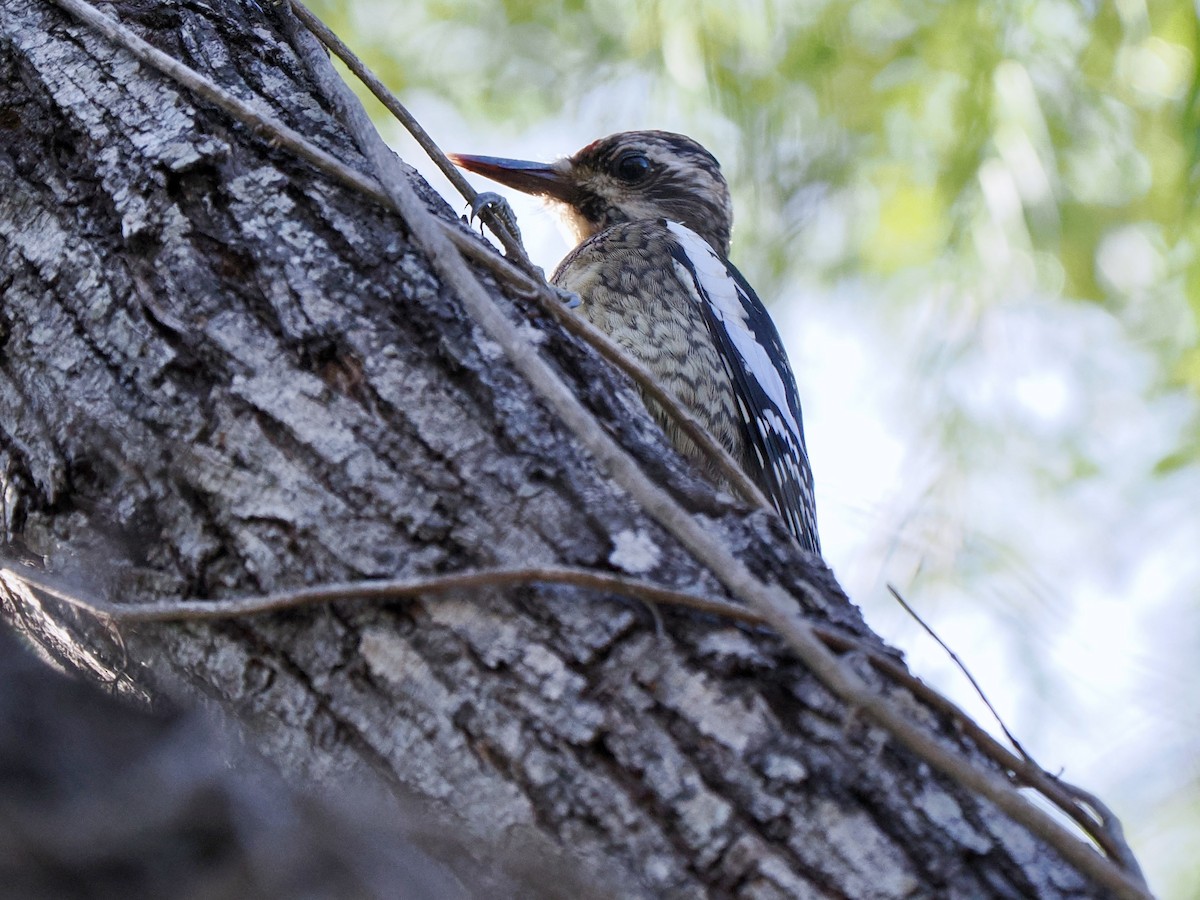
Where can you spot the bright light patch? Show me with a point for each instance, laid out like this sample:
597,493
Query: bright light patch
1128,261
1045,394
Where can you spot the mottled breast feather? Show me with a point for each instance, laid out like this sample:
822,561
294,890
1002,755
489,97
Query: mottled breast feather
626,279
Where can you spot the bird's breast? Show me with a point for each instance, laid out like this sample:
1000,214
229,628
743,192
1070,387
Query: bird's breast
630,289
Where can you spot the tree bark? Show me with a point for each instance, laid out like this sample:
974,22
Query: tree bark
221,374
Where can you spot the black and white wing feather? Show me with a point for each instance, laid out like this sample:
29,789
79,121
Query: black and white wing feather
763,382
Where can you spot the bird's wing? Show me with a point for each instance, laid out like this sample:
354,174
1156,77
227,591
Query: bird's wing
762,378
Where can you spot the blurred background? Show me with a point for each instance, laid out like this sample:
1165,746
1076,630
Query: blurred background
977,228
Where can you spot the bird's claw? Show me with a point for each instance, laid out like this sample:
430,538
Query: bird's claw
485,200
489,201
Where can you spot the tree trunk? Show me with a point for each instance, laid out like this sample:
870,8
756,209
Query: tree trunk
221,374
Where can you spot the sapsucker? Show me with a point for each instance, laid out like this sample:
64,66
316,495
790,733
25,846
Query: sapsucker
653,216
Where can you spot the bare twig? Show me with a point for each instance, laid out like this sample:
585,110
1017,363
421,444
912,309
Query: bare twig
1102,827
962,667
180,610
1025,771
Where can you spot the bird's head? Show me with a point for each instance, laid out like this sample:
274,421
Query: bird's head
622,178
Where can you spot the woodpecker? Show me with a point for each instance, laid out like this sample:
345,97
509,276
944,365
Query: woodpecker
652,217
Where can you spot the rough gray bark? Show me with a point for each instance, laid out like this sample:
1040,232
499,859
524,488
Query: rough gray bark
221,374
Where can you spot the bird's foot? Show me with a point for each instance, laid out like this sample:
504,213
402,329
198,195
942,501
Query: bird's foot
489,201
569,299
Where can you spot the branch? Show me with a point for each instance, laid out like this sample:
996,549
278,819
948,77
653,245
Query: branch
774,605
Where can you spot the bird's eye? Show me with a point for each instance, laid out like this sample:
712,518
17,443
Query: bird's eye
633,167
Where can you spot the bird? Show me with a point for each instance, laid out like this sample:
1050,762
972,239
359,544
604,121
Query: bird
651,216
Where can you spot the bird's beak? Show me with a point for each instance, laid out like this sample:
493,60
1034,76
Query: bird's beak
541,179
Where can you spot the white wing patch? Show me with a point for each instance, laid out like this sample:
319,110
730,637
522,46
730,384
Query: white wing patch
763,385
722,293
